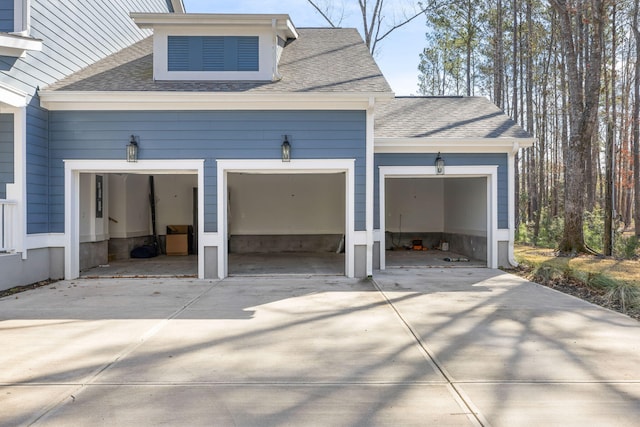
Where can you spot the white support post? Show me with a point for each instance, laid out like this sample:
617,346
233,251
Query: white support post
370,184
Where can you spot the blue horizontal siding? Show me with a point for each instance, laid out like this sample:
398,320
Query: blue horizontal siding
6,153
452,159
37,168
208,135
6,16
213,53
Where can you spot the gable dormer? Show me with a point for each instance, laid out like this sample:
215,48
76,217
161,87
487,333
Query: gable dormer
217,46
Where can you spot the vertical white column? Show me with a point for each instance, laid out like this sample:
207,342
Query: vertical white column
370,183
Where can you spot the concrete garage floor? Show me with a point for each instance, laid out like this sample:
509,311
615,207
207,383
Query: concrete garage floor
430,258
325,263
317,263
160,266
441,347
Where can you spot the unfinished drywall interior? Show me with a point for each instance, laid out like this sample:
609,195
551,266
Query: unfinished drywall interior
94,225
414,204
414,211
174,200
94,220
129,209
465,204
286,212
286,203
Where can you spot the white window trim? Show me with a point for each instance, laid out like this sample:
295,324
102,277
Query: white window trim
305,166
161,55
72,170
22,17
489,172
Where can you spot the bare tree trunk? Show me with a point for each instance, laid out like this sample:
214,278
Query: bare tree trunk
636,123
610,149
584,102
498,62
469,47
514,113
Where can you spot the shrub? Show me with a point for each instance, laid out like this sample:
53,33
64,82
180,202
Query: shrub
626,247
624,293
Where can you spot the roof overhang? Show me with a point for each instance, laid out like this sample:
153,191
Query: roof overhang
282,22
192,101
12,96
178,6
451,145
16,46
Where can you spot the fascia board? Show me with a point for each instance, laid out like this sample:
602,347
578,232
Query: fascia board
12,96
16,46
158,101
450,145
178,6
151,20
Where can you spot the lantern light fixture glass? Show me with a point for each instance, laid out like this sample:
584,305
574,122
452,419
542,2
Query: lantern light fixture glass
132,149
286,150
439,165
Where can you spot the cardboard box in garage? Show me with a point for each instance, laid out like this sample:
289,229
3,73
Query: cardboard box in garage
177,240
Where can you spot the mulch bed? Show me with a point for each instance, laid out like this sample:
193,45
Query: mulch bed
579,290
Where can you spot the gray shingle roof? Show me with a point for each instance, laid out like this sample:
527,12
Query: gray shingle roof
320,60
444,117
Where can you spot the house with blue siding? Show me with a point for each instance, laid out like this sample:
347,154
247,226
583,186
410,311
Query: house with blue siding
255,135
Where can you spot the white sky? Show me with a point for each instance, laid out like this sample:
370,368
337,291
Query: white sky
397,56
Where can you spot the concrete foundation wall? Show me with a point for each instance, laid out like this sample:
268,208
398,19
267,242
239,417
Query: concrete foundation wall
401,240
93,254
470,246
376,255
121,248
360,260
503,254
285,243
211,262
41,264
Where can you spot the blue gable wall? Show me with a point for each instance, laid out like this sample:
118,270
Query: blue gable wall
6,16
6,153
74,34
423,159
208,135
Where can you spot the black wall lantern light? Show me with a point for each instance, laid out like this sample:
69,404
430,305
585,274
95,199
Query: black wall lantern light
286,150
132,149
439,165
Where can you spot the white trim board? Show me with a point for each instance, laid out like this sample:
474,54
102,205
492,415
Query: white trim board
302,166
429,172
189,101
72,171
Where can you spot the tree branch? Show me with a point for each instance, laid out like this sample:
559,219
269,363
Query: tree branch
324,15
405,22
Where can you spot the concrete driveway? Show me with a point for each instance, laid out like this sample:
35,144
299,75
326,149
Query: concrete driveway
413,347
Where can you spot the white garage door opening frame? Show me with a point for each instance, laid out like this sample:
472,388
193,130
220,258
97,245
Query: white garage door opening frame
295,166
72,171
489,172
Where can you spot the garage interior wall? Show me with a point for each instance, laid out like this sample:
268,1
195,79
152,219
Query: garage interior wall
437,209
465,205
126,219
284,212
